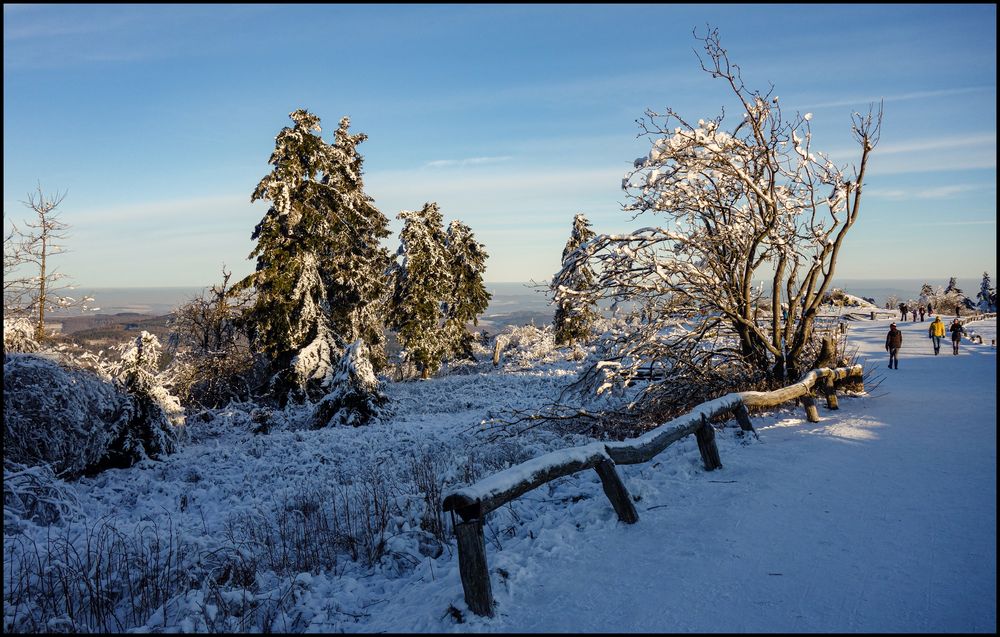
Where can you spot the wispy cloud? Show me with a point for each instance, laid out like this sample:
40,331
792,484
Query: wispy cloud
916,95
958,141
975,222
165,211
971,151
940,192
471,161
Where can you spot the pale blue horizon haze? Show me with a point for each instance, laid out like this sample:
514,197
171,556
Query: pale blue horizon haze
158,120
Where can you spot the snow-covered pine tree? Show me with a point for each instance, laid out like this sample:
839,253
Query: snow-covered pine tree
987,295
468,297
926,292
355,263
956,297
575,306
421,283
320,268
155,426
357,394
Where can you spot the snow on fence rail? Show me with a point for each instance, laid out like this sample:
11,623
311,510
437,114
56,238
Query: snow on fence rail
473,502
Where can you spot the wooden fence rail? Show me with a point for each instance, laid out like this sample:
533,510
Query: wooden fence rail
474,502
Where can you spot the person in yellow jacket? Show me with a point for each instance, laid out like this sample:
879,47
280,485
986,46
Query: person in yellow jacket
936,332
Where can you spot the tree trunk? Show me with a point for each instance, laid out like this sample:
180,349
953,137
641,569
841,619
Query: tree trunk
40,328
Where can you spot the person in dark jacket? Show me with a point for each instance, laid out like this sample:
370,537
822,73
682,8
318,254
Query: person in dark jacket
956,330
893,341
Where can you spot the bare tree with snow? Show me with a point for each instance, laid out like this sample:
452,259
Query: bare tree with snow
753,223
32,286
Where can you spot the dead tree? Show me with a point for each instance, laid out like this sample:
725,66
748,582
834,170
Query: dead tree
31,284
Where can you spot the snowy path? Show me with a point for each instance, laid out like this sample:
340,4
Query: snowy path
882,517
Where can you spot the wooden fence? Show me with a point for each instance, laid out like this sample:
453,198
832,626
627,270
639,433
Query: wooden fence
474,502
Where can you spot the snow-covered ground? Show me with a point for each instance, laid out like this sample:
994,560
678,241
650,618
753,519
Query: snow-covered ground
879,518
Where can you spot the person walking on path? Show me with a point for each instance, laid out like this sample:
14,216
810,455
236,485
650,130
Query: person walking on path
902,311
921,313
930,310
893,341
956,335
936,332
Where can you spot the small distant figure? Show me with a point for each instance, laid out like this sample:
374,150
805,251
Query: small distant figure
958,310
902,311
956,335
936,333
913,314
921,314
893,341
930,310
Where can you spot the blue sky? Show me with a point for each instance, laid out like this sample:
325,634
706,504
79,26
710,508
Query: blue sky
159,120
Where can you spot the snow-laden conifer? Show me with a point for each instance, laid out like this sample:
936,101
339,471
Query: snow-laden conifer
574,291
356,395
422,283
156,425
987,295
19,335
320,276
468,297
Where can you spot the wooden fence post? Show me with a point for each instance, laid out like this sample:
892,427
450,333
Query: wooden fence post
615,489
830,391
743,417
706,445
473,567
812,414
496,351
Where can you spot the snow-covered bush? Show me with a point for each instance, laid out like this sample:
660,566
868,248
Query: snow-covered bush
64,417
214,365
357,394
158,415
35,494
527,344
19,335
212,381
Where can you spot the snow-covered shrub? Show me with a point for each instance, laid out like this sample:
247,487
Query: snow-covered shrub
528,344
158,417
19,335
215,380
64,417
36,495
356,396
